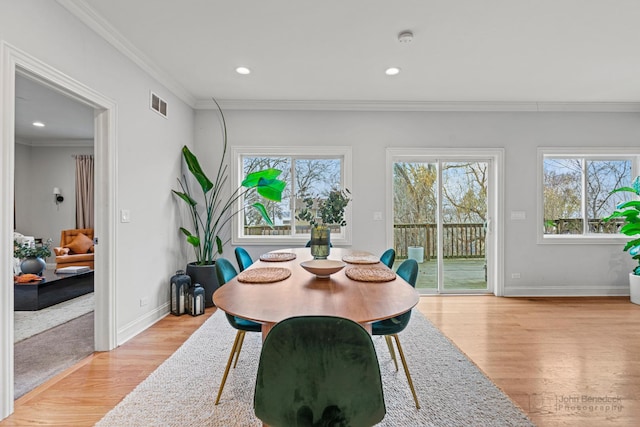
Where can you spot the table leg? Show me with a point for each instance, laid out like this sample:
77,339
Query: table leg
266,327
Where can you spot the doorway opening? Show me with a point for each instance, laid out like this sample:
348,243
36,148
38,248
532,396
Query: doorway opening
17,63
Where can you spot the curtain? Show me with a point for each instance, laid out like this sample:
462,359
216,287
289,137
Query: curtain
84,191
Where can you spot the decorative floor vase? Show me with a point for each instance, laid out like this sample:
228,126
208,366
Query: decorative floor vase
33,265
320,242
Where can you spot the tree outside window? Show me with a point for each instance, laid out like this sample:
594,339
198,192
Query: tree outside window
576,193
306,175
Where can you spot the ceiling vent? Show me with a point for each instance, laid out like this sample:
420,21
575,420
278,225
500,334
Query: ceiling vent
158,105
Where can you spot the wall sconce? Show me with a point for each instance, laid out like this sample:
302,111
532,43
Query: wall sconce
58,198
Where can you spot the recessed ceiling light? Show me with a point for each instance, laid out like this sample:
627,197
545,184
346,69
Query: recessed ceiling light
392,71
243,70
38,124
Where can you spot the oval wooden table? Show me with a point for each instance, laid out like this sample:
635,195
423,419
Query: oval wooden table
305,294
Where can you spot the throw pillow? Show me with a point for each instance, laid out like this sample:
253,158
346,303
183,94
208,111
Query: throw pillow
80,244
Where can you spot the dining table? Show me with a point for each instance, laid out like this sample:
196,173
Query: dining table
365,290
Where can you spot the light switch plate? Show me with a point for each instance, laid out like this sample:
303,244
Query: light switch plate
125,215
518,215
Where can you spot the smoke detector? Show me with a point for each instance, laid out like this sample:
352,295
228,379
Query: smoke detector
405,37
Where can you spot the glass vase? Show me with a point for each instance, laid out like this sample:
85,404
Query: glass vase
320,242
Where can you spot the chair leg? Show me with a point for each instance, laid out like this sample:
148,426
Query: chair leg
238,349
238,340
406,370
387,338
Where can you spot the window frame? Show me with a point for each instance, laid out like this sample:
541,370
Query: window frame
237,153
589,153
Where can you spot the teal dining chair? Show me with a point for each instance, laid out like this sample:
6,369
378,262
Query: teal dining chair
388,328
243,258
388,257
225,272
318,371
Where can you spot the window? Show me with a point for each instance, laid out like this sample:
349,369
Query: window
575,192
308,171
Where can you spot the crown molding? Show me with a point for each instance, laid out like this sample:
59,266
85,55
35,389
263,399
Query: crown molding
94,21
55,142
568,107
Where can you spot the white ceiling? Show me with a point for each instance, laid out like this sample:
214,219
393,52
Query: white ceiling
66,120
337,50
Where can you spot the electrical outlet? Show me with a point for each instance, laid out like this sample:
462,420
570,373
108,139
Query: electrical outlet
377,216
125,215
144,301
515,275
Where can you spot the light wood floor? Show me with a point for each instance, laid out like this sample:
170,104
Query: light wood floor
540,351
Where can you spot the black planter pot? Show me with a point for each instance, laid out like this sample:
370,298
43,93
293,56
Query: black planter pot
206,276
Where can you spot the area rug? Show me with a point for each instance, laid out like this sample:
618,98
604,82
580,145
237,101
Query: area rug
44,355
29,323
181,392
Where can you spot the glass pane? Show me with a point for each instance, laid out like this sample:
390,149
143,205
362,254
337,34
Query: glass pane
602,177
464,216
315,178
414,218
280,212
562,196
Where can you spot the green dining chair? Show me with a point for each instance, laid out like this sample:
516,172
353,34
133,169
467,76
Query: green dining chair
388,257
225,272
243,258
318,371
408,270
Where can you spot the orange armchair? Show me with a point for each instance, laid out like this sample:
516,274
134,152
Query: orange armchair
76,248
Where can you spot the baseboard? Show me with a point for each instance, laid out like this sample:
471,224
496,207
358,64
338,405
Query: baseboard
566,291
133,328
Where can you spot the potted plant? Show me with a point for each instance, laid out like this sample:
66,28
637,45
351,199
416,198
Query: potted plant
629,212
209,220
32,256
329,211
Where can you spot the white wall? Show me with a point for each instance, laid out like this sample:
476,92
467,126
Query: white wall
544,269
37,170
148,150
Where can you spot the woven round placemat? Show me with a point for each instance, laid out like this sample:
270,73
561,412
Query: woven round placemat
264,275
361,258
370,274
277,256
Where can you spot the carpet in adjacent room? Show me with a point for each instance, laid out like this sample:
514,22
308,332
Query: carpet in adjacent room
46,354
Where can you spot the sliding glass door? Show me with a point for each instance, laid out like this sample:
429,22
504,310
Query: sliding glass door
442,214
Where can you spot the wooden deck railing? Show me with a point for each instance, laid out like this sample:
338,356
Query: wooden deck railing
460,240
574,226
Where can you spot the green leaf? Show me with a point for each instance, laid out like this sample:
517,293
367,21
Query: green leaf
253,179
260,208
219,244
623,190
636,185
271,189
193,240
184,196
630,229
631,203
631,243
196,170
